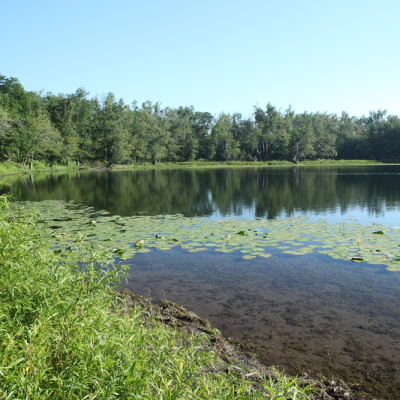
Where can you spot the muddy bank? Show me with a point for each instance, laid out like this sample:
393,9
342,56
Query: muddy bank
235,353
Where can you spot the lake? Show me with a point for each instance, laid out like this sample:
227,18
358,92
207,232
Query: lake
310,313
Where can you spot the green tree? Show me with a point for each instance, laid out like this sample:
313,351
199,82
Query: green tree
151,132
202,123
6,134
224,146
247,135
302,139
268,123
110,132
345,136
185,143
72,116
325,131
40,139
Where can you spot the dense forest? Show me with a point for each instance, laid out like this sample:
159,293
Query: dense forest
67,128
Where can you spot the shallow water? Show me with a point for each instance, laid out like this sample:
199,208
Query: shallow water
304,313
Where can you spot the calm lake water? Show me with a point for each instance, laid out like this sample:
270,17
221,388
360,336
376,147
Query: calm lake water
304,313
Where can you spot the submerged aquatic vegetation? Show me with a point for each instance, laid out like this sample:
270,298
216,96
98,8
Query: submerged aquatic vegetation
125,236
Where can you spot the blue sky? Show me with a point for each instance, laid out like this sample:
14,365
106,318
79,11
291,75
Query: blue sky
216,55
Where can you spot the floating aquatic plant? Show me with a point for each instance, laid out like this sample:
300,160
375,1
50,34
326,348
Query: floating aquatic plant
126,236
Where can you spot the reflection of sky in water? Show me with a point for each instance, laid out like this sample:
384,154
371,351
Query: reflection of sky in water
362,209
389,215
362,173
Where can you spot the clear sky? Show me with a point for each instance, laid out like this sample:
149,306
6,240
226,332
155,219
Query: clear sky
318,55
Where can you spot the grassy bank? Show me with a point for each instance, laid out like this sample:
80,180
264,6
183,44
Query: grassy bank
11,168
65,335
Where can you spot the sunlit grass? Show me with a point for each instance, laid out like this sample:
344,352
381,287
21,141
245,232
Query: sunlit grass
9,168
15,168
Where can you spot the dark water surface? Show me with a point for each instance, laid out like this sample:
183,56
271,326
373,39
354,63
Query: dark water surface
370,193
305,313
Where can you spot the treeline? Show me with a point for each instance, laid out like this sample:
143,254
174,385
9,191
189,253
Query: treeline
67,128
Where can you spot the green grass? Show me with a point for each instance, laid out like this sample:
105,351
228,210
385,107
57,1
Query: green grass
345,162
64,335
224,164
39,166
8,167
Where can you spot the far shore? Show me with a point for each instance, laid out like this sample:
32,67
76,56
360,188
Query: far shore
10,168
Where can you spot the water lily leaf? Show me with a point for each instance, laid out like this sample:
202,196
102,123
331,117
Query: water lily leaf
296,253
265,255
143,250
60,221
393,268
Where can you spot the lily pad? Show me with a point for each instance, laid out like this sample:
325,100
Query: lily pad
61,223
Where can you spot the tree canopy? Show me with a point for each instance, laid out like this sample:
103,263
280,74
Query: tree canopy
74,127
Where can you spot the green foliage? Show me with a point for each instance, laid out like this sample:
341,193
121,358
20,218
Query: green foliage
283,388
74,128
63,335
224,146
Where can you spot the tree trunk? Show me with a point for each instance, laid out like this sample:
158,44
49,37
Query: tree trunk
263,151
31,167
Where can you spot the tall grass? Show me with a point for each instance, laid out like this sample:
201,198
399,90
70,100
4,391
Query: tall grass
64,335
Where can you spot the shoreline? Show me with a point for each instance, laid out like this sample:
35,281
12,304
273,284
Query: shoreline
235,353
193,165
